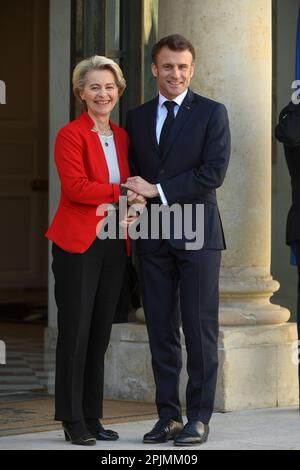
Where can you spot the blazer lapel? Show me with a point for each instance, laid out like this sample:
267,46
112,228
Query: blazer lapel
184,113
151,124
97,155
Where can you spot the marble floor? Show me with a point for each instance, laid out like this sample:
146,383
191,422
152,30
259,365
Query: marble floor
27,369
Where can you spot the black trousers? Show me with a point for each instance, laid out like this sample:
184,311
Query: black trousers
168,275
87,289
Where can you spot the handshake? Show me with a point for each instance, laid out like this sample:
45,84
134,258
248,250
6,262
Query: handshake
137,191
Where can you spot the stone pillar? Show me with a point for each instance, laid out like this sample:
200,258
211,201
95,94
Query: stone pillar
233,66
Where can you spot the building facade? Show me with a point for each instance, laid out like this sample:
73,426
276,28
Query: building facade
245,59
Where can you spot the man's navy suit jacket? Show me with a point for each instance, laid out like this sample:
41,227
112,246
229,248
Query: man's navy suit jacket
193,165
292,155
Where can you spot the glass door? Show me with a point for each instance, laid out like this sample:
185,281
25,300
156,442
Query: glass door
112,28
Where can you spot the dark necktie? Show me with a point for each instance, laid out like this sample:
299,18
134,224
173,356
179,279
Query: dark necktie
170,105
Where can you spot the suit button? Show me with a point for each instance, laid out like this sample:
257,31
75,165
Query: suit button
162,172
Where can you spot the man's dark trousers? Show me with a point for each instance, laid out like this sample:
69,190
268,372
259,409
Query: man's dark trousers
195,276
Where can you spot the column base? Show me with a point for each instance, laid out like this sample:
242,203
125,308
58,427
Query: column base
257,366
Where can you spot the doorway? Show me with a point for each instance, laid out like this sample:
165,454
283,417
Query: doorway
24,52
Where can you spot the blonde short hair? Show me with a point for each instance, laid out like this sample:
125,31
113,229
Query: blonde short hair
96,62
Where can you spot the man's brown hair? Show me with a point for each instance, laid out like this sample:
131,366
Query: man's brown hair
175,42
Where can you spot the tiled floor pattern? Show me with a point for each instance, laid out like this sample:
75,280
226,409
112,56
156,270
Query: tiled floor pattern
26,368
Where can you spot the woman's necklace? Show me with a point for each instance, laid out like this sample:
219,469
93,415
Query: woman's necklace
105,134
105,131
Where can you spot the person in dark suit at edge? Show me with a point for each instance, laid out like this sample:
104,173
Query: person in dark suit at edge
179,153
292,155
287,132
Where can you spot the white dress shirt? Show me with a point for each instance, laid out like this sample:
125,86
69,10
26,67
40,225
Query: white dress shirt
162,113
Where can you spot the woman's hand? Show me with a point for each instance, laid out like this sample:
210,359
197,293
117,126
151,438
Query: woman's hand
127,221
134,198
132,214
141,187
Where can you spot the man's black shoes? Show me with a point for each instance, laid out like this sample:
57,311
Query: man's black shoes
164,430
194,433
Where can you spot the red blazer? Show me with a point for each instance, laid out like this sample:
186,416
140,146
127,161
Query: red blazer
84,176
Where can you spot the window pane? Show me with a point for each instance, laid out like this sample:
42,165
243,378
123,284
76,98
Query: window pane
113,25
150,38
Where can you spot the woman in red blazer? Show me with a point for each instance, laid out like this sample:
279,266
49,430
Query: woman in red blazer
91,160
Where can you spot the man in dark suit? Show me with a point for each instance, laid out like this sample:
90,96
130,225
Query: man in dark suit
287,131
292,155
179,152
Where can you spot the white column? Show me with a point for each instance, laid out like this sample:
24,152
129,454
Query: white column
233,66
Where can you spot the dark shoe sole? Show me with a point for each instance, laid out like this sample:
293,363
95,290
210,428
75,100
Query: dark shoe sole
153,441
79,442
84,443
187,444
102,437
157,442
107,438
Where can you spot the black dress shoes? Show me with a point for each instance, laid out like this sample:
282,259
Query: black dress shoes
164,430
194,433
98,431
76,432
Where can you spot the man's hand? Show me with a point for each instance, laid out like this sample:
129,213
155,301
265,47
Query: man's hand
141,187
134,198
